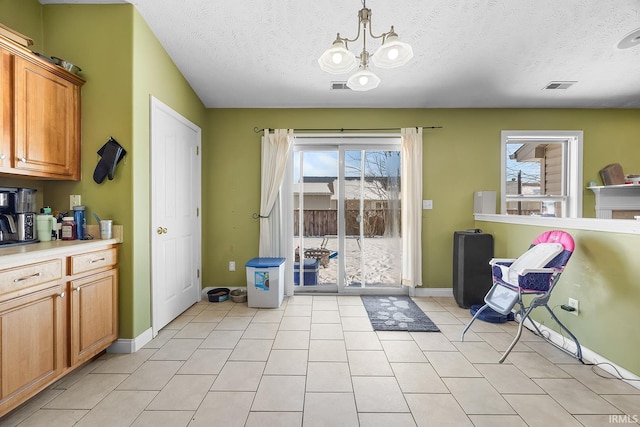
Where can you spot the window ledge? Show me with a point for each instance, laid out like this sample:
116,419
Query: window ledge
626,226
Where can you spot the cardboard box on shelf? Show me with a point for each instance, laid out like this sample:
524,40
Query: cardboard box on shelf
612,174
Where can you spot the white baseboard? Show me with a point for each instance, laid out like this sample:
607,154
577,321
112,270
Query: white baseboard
131,345
417,292
432,292
589,356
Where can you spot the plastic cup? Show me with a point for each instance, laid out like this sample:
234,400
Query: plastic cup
106,229
45,225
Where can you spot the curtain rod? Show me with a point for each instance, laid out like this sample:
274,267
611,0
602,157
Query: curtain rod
258,130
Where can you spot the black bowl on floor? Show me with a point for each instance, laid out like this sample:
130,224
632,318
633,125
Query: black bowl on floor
218,294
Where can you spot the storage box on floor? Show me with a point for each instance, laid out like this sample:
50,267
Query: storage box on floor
265,287
309,271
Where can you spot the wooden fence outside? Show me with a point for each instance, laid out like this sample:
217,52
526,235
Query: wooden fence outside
319,223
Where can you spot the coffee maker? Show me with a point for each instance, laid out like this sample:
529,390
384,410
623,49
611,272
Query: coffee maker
17,215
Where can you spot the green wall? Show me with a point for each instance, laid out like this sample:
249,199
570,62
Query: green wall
603,275
123,65
24,16
460,158
106,111
154,74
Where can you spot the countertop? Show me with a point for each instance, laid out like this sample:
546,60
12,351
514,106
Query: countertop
34,252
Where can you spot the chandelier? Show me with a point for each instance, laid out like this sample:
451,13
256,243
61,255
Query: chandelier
339,60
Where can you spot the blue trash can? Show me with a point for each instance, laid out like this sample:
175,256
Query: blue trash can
309,271
265,286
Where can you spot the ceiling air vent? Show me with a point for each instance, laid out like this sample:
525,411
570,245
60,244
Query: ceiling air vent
339,86
559,85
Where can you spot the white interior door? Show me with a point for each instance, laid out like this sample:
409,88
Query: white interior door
175,216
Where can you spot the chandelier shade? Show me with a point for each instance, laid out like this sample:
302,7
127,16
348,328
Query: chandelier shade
363,80
339,60
393,53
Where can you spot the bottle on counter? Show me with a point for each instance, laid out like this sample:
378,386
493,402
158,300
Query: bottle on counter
78,217
69,228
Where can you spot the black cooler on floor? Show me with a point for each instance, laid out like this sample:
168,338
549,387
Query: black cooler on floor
472,251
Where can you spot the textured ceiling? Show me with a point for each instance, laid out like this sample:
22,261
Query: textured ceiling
473,53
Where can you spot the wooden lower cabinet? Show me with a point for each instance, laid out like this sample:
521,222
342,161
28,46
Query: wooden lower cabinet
55,314
94,307
31,344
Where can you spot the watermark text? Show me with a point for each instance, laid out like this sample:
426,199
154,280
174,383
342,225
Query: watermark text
623,419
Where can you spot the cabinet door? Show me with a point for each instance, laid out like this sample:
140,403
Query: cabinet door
94,308
31,344
6,108
47,123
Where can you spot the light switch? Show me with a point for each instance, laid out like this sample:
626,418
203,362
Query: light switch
74,200
427,204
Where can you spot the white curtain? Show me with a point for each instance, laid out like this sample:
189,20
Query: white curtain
411,206
275,150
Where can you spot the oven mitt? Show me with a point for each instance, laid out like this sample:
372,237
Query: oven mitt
110,155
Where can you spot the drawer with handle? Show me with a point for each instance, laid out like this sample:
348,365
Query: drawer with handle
92,261
13,280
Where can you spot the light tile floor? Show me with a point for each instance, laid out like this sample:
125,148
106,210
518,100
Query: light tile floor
316,361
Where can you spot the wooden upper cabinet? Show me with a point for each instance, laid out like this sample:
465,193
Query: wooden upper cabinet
47,119
41,102
6,109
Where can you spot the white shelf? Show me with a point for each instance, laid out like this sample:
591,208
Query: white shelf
610,198
597,187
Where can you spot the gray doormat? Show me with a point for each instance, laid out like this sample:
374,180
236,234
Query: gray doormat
396,313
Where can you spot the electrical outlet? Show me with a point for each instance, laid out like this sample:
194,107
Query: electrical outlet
427,204
74,200
575,304
232,266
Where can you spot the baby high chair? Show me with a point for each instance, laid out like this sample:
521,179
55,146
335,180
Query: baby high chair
535,273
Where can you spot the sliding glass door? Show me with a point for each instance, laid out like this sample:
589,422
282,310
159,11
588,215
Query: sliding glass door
315,216
346,216
371,201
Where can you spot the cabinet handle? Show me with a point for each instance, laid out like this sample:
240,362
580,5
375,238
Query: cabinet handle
77,289
62,295
3,156
23,159
96,260
21,279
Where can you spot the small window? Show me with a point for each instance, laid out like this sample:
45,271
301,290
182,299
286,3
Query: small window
542,173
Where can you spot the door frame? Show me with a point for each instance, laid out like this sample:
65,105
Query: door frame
156,104
340,143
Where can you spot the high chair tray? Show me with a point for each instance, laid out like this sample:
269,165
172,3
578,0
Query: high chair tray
501,299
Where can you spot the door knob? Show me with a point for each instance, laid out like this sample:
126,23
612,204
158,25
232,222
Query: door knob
161,230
